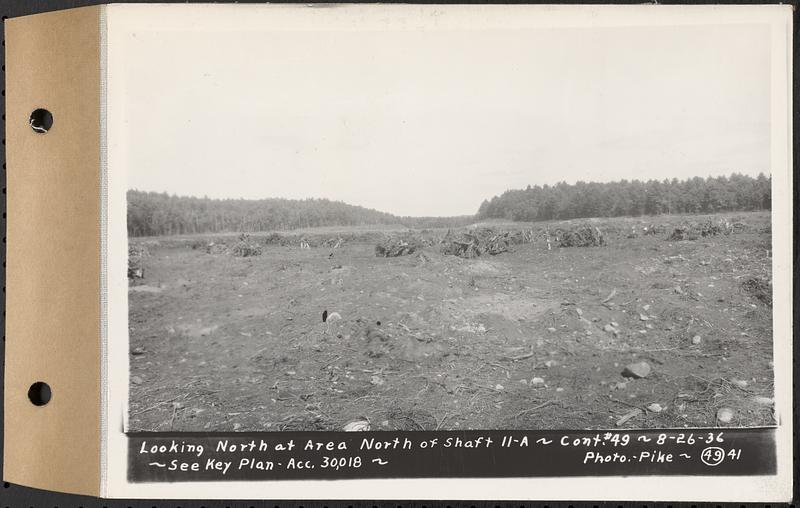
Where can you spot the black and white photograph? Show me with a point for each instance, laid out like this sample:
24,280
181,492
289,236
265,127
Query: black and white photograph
563,227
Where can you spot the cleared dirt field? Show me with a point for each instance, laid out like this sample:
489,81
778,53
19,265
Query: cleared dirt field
529,339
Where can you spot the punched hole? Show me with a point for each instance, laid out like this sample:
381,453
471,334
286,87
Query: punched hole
324,316
41,120
39,393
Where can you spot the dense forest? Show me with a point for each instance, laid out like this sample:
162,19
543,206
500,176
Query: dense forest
152,213
631,198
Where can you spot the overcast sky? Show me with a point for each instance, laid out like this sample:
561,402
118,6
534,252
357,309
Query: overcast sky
433,122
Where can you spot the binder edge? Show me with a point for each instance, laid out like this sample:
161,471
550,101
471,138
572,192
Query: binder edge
53,300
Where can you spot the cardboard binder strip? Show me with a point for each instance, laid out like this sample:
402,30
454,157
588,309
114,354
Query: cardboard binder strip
53,252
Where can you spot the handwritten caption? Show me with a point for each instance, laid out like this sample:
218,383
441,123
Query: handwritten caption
444,454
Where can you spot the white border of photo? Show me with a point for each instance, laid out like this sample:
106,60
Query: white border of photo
215,20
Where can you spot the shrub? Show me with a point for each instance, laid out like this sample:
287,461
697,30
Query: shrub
395,246
581,236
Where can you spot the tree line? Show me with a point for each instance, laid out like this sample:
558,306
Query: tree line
631,198
159,213
154,213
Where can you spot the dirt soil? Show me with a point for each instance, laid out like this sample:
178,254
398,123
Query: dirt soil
529,339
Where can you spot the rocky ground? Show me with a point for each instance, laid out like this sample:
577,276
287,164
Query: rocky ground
640,332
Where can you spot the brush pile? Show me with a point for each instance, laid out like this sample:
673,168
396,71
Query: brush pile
471,244
428,238
714,228
246,247
275,239
520,237
684,232
333,243
582,235
652,229
395,246
136,253
695,230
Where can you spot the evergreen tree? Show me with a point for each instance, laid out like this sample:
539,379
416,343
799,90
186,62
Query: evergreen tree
631,198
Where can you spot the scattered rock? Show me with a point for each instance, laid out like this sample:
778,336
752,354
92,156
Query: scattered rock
725,415
524,381
579,311
137,380
237,426
655,407
204,332
537,381
551,329
764,401
473,328
356,426
550,363
559,389
618,386
610,329
376,380
637,370
642,317
138,351
741,383
499,387
696,340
